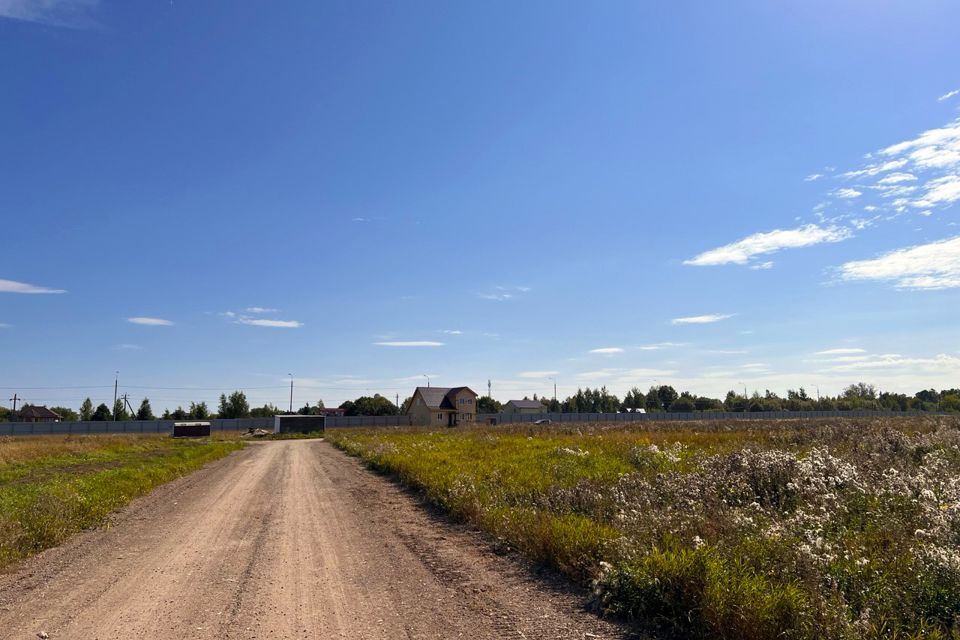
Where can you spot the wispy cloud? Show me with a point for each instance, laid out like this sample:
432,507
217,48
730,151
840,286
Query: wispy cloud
127,347
607,350
940,364
501,294
452,332
266,322
742,251
847,193
839,351
948,95
74,14
536,374
813,177
12,286
928,266
409,343
260,310
660,345
705,319
150,322
4,325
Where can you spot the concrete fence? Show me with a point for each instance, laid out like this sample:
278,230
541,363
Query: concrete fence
124,426
242,424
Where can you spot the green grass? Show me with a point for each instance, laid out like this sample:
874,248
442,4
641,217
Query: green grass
830,529
52,487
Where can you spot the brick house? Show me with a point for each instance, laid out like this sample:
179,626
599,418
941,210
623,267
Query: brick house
442,406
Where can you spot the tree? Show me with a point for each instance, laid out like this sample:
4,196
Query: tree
486,404
405,405
120,411
235,406
5,414
667,395
307,410
266,411
102,414
145,412
653,402
198,411
683,404
86,410
634,399
376,405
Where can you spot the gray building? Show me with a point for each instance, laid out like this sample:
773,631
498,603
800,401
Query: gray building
514,407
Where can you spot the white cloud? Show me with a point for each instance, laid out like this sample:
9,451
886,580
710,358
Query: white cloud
537,374
929,266
607,350
742,251
705,319
264,322
812,177
452,332
60,13
11,286
948,95
259,310
847,193
839,351
409,343
762,266
897,178
150,322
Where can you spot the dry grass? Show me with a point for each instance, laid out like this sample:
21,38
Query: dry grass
54,486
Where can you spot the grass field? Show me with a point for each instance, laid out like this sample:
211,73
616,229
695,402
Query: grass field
54,486
839,529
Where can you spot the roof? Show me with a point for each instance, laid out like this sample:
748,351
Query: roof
440,397
526,404
31,411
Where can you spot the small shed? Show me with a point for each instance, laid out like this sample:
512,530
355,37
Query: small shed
524,407
193,429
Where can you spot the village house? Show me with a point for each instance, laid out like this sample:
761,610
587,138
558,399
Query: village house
523,407
33,413
442,406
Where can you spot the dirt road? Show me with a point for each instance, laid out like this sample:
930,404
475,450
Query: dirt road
285,539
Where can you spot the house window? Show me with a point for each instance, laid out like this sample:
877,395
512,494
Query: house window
439,416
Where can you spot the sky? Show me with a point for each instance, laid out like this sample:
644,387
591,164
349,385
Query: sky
197,197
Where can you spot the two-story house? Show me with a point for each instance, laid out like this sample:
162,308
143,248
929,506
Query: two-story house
442,406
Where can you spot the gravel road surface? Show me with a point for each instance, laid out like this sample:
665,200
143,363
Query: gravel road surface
285,539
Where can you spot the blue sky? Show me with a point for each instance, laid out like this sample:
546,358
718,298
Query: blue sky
209,196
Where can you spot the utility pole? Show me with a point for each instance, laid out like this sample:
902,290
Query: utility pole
126,403
489,386
291,392
398,401
116,380
14,400
428,380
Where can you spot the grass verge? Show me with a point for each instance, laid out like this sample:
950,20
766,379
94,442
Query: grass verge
846,528
52,487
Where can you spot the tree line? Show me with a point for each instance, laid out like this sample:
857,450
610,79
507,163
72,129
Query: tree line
665,398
